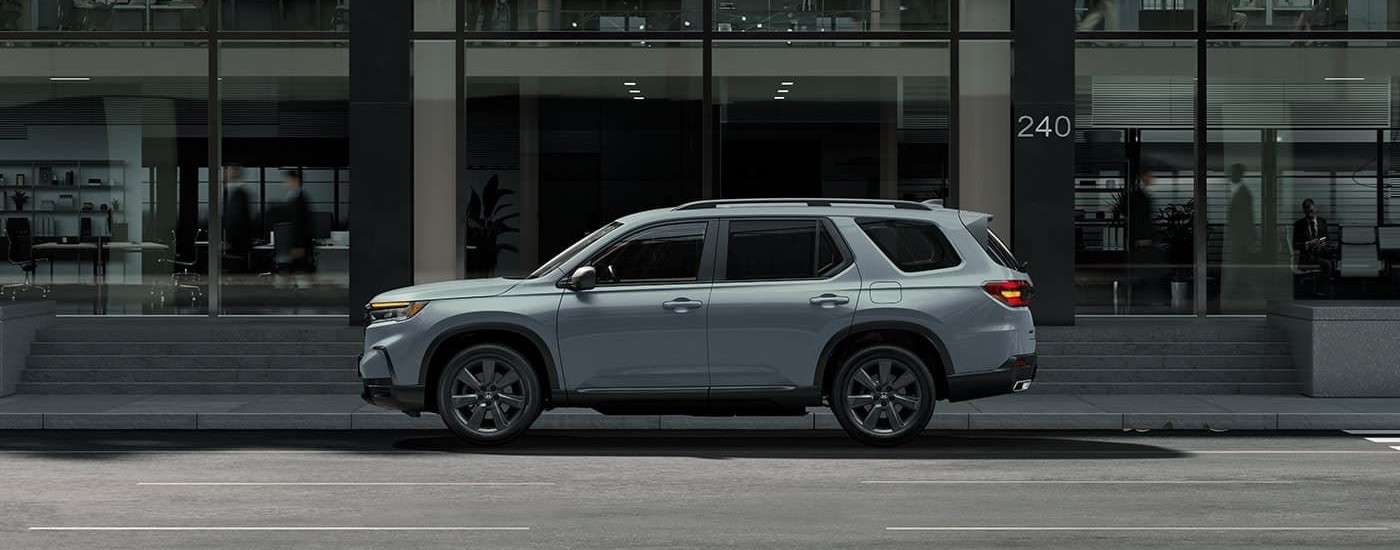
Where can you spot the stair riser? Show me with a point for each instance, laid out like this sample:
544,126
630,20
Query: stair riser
203,348
1165,389
1164,348
1129,330
207,388
191,361
1070,376
190,376
1165,361
170,334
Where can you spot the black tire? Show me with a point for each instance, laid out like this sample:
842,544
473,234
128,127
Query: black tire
500,399
895,402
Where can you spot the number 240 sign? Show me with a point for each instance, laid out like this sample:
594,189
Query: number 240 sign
1044,127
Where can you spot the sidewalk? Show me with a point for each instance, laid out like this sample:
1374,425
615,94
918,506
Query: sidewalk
1008,412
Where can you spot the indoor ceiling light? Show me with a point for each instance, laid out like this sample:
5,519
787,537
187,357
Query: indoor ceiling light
634,91
638,97
783,91
629,83
1344,78
779,97
787,83
69,79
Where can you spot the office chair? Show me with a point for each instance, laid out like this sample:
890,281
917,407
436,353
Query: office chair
21,249
1360,252
183,260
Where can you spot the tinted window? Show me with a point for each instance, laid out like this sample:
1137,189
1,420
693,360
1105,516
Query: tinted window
668,253
999,253
911,245
780,249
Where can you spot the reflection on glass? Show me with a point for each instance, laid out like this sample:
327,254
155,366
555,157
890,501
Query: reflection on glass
285,15
1134,176
1303,15
1296,186
285,188
563,137
830,15
1137,15
103,15
828,120
101,177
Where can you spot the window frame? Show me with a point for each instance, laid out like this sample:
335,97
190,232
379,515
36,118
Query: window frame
721,273
947,243
705,273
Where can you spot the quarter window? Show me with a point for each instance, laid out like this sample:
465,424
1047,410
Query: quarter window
780,249
912,246
668,253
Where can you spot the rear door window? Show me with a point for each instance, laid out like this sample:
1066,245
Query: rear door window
780,249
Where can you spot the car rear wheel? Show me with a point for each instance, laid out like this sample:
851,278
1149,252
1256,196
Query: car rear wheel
883,395
488,395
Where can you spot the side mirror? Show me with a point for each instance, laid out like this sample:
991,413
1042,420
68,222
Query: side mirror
583,278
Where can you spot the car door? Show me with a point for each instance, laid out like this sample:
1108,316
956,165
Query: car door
783,288
642,328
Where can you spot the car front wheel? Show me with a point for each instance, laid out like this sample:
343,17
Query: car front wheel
489,395
883,395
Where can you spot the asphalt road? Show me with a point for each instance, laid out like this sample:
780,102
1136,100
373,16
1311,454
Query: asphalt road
421,490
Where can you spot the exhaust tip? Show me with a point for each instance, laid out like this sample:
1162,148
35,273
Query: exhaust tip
1021,385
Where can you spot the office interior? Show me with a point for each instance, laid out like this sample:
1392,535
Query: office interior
522,142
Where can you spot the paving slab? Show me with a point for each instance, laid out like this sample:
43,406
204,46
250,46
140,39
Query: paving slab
1201,421
274,421
1027,404
345,404
1151,403
21,421
1273,404
184,404
66,403
1046,421
109,421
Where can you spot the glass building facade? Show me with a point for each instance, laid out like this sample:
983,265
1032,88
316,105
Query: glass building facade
486,135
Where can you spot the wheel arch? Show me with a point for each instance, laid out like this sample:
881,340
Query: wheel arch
918,339
521,339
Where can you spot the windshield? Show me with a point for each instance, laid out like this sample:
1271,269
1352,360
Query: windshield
571,251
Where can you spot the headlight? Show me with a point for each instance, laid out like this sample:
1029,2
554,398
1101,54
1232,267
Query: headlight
393,311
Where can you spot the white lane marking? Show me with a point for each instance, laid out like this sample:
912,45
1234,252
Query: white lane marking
1287,452
1075,482
272,528
216,452
1137,528
1372,432
1383,439
340,484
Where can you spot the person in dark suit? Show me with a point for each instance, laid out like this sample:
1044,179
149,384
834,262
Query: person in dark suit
1310,243
238,222
298,213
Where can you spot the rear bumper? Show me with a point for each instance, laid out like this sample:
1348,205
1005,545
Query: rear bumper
1014,375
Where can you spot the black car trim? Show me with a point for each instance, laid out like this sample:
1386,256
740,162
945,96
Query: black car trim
825,357
551,370
998,381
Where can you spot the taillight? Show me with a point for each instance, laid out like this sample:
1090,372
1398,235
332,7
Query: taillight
1012,293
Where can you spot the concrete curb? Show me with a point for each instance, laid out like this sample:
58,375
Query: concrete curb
587,420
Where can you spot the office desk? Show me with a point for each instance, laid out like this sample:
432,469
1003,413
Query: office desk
98,263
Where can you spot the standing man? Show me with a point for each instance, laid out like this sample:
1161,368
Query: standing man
298,214
238,222
1310,243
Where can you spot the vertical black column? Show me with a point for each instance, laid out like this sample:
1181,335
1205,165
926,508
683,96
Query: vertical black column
1042,98
381,150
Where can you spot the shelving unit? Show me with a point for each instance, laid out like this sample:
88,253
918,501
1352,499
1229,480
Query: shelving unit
45,180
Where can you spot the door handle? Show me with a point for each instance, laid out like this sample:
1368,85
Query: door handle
829,300
682,305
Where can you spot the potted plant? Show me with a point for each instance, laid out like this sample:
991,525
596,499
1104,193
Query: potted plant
1177,235
486,224
19,198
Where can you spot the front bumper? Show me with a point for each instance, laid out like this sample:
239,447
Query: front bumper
1012,376
376,375
381,392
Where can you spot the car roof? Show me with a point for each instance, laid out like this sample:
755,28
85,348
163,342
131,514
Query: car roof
928,210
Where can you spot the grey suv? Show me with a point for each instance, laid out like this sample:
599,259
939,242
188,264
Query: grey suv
721,308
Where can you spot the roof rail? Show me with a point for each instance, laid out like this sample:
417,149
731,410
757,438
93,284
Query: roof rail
903,205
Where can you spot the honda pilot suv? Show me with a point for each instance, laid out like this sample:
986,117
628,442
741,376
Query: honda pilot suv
877,309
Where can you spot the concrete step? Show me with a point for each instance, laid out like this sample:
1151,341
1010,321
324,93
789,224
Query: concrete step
168,333
1179,376
191,361
1141,348
195,348
1165,361
1165,388
190,376
1163,330
256,388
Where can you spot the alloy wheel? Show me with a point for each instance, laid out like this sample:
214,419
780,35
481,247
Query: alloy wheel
489,395
884,396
